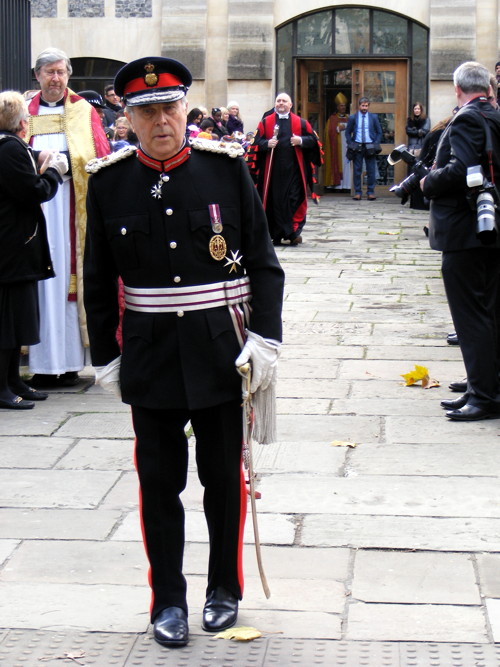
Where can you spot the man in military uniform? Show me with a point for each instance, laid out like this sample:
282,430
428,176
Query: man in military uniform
188,237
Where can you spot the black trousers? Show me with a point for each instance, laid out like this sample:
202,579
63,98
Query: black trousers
161,458
471,280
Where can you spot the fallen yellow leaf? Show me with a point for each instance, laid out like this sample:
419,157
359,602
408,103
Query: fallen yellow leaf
242,634
342,443
419,373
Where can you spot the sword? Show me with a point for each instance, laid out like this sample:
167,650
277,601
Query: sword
246,372
268,175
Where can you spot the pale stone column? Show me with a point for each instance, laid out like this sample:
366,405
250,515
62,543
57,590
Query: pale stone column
487,33
216,53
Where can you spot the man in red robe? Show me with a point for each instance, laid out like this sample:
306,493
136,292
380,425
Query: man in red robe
287,149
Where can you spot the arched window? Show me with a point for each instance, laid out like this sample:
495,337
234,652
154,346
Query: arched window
353,32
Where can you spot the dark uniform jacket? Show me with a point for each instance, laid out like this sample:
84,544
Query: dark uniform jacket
24,249
452,223
176,360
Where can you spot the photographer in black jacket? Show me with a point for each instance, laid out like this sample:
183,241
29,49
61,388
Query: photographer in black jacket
470,268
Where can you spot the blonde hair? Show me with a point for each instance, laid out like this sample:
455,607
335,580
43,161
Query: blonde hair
13,109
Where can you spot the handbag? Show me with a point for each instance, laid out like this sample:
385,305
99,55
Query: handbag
372,149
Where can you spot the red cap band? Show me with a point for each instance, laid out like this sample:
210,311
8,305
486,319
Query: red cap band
164,81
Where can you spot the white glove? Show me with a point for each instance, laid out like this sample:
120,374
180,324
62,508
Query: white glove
263,353
109,376
57,161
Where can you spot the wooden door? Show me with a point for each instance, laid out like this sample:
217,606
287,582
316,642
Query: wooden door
385,83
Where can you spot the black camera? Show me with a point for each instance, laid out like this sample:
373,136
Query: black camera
411,182
483,198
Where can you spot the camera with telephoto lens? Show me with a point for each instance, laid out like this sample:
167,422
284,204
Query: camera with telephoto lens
483,198
411,182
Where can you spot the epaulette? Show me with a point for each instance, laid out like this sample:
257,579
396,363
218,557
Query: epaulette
97,163
231,149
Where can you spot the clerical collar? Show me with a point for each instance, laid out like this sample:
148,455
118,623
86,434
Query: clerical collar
283,115
164,165
43,103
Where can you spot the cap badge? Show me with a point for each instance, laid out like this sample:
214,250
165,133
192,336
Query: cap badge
150,78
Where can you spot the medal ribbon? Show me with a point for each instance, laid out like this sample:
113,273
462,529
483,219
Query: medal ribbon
215,218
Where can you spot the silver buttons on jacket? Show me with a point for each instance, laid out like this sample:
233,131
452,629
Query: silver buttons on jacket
123,231
177,279
169,211
173,245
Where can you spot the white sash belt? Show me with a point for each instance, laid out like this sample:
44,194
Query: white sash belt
194,297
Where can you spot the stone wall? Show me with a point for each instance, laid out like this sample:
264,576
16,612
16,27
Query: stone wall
452,36
86,8
43,9
133,9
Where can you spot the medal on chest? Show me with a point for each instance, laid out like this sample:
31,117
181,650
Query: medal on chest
156,189
217,245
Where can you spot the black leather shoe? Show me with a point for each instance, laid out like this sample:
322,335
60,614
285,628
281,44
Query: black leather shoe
16,403
452,339
471,413
31,394
171,627
460,386
220,611
456,404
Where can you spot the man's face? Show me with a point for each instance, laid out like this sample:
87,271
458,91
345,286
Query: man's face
112,97
283,103
341,108
53,80
363,107
160,127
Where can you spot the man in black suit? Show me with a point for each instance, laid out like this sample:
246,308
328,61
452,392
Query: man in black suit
470,267
188,236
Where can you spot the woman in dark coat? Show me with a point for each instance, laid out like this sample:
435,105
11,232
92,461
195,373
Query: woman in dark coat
25,257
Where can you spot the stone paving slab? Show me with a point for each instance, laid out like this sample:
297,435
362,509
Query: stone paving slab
99,454
7,547
55,488
489,574
54,524
78,562
325,428
294,351
423,430
299,456
389,369
101,607
103,425
376,495
401,532
273,528
416,578
312,388
425,459
406,622
372,389
493,607
427,403
33,452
